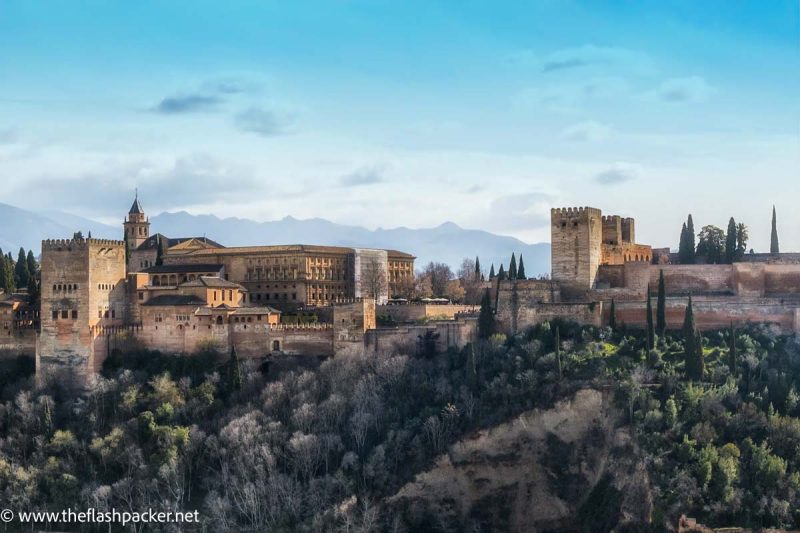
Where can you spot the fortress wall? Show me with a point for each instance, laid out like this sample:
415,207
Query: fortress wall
748,279
584,313
781,279
18,342
259,340
694,279
417,312
711,313
451,334
611,276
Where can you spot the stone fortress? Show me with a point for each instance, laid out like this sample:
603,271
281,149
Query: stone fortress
183,295
188,294
595,260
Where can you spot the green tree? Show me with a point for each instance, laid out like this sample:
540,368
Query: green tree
693,348
711,245
477,268
651,332
730,242
774,247
501,274
742,235
234,372
21,273
7,273
486,323
683,246
160,251
661,305
732,351
33,266
690,235
512,267
558,353
491,272
612,316
521,269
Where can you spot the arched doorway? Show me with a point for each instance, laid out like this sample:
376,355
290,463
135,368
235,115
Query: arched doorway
276,346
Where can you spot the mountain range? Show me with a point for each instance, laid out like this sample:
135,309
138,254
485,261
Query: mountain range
446,243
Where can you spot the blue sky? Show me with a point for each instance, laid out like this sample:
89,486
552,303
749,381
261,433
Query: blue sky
407,113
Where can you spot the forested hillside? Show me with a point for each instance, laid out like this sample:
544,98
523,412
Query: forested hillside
349,444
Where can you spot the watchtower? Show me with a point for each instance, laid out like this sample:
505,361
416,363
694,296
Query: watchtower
576,252
136,226
82,297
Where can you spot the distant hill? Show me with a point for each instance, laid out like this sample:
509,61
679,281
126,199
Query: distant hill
447,243
19,227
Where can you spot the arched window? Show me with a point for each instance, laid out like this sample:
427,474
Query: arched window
276,345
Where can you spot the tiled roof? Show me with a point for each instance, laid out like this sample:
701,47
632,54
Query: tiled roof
398,253
182,268
136,208
213,282
175,299
151,243
256,311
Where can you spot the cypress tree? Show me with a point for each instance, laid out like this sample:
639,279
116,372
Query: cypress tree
160,252
8,273
3,285
21,274
693,348
33,267
730,242
501,274
651,332
661,305
486,325
683,254
512,267
558,352
234,372
691,246
732,351
491,272
612,316
521,269
477,268
472,369
774,248
33,291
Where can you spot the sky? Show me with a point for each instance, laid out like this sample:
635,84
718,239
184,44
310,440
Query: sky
413,113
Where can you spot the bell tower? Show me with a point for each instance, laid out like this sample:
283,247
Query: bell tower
136,226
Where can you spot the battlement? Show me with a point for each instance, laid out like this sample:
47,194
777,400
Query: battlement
574,212
60,245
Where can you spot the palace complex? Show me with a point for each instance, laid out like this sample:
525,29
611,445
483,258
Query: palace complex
184,295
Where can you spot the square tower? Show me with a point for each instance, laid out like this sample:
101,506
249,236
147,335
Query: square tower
82,297
576,238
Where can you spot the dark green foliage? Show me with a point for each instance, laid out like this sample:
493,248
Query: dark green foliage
711,246
686,248
160,252
21,273
730,242
651,331
661,305
486,321
501,274
693,346
557,342
612,316
732,351
234,372
426,345
512,268
600,512
521,269
33,266
491,272
478,273
774,247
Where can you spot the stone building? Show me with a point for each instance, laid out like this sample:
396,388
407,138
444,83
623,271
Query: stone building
187,294
595,260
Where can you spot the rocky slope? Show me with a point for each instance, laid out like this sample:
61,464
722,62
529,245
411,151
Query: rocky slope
564,468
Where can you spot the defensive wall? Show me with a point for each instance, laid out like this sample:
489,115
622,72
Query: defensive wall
449,334
18,342
413,312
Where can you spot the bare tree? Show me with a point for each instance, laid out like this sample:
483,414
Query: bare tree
373,279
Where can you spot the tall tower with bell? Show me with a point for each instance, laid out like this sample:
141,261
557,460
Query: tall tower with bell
136,226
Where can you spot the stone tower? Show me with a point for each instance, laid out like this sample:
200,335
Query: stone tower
576,251
136,226
82,297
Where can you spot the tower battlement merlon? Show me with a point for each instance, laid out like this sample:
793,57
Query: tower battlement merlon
558,213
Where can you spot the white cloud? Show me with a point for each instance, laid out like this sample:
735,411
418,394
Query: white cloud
680,90
618,173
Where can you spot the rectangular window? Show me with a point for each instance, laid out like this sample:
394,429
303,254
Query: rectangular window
55,315
74,314
64,314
